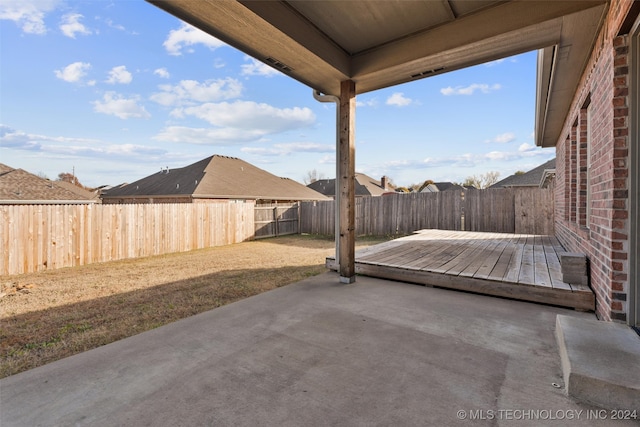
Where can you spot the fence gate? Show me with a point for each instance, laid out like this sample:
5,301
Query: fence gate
276,220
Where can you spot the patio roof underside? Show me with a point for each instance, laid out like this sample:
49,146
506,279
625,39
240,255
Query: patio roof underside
379,44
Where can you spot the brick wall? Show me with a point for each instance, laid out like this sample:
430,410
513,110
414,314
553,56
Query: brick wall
595,178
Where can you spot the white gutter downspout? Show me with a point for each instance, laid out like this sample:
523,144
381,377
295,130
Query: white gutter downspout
330,98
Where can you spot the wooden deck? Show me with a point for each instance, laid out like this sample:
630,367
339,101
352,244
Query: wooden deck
518,266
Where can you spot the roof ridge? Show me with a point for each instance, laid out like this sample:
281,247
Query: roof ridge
226,157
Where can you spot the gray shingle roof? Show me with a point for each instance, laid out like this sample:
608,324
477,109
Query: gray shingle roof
532,178
365,186
19,185
85,194
218,177
441,186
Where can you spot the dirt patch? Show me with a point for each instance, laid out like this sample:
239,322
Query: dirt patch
54,314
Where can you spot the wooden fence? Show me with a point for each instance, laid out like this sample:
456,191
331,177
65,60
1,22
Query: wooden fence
276,220
40,237
508,210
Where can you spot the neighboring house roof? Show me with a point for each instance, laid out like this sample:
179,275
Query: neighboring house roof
85,194
365,186
441,186
216,177
17,185
4,169
533,178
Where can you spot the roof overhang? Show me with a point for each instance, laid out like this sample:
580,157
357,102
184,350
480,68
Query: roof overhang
560,67
382,43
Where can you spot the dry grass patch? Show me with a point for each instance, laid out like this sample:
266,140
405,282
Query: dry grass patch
54,314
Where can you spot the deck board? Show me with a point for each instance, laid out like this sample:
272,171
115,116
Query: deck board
515,263
524,267
553,263
481,256
490,261
467,255
502,265
429,255
540,269
526,275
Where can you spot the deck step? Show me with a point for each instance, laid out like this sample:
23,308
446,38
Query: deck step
575,269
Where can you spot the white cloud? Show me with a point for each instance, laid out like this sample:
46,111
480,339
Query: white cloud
11,138
468,160
248,114
257,68
469,90
70,25
261,151
237,122
219,63
496,62
207,136
73,73
116,105
114,151
190,91
371,102
28,14
399,164
290,148
305,147
119,75
115,26
500,155
68,147
162,73
327,160
186,36
399,100
503,138
526,148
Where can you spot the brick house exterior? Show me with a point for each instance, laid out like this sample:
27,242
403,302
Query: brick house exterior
594,188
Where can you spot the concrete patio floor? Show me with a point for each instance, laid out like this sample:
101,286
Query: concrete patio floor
318,353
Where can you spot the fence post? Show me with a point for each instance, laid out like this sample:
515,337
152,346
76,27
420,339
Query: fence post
275,220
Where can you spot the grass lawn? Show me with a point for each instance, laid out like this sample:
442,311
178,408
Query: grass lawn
54,314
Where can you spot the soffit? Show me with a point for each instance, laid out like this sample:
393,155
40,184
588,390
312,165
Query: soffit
364,25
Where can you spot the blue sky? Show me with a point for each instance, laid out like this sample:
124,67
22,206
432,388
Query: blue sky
117,90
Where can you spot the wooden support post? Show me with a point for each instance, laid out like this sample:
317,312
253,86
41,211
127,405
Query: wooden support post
346,181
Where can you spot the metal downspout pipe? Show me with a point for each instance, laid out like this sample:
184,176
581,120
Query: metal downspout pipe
330,98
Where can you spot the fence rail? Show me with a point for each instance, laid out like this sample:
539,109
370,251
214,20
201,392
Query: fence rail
508,210
40,237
